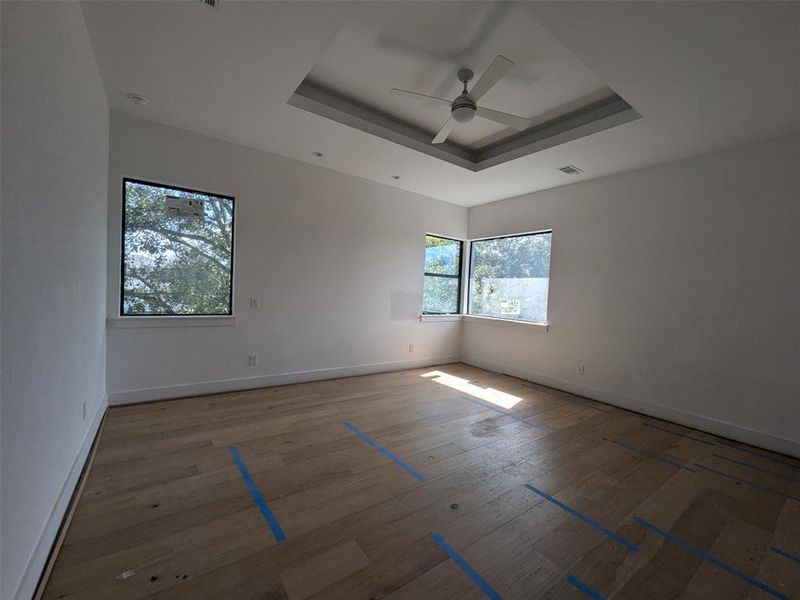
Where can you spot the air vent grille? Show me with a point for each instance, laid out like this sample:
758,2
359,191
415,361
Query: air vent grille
211,3
570,169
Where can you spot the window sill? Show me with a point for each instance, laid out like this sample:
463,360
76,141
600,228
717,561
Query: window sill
542,327
155,322
424,318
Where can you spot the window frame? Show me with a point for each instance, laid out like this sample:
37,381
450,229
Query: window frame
460,277
468,303
121,307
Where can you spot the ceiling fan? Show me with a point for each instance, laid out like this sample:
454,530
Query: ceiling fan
464,108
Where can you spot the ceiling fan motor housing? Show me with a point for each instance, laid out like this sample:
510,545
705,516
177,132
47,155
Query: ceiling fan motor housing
463,109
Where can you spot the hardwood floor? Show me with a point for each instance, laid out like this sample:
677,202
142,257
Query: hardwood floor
431,492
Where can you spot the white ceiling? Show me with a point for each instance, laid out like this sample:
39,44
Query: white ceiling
704,76
385,45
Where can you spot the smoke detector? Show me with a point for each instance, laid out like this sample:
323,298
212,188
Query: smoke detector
570,169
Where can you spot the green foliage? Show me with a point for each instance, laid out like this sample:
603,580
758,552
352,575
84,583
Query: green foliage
440,294
442,255
176,265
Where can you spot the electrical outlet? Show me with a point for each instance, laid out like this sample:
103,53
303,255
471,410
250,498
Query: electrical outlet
579,369
411,348
254,303
252,360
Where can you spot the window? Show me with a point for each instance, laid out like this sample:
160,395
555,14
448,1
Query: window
441,293
509,277
177,251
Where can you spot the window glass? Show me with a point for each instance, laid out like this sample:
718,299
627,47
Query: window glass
510,276
177,251
442,287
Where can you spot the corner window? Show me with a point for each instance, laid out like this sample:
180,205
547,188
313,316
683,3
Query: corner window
441,293
510,277
177,251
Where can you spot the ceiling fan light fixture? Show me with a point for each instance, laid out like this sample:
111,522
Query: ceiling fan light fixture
463,110
463,114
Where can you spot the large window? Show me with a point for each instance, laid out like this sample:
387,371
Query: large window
509,277
177,251
441,293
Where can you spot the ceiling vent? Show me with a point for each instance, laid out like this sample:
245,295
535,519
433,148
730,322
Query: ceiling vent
211,3
570,169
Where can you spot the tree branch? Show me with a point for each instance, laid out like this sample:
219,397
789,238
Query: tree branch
154,297
153,300
170,233
175,237
215,208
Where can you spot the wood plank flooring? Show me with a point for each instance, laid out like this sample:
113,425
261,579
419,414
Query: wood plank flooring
616,504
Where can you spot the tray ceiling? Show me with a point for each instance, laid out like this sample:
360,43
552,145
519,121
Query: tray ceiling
386,45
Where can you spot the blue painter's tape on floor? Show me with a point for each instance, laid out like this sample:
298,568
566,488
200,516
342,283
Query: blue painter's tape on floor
277,532
653,455
757,468
503,412
711,559
614,536
466,567
760,454
785,554
578,584
680,434
752,484
383,450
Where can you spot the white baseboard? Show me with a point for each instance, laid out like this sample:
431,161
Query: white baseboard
38,560
245,383
725,429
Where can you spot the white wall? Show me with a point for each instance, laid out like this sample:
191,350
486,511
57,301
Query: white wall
678,288
335,260
54,183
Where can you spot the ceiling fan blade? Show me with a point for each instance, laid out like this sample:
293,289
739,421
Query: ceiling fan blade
499,67
418,96
504,118
444,131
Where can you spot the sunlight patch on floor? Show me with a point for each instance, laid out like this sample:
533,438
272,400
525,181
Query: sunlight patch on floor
463,385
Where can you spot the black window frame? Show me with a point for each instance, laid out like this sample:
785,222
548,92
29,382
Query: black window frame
458,277
468,308
122,314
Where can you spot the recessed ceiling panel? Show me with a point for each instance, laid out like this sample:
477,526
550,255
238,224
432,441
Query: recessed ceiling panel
421,46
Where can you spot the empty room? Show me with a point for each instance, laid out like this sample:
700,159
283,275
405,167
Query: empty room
332,300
